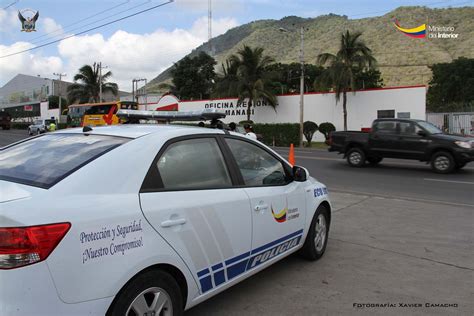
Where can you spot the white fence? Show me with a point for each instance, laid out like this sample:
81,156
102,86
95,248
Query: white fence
453,123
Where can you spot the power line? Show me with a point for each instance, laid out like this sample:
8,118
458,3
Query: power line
92,23
10,4
88,30
81,20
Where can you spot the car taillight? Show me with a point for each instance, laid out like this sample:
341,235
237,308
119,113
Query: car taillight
21,246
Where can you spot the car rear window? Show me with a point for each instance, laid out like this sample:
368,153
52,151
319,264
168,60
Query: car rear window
46,160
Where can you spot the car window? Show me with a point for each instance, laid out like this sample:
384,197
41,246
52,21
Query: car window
408,128
257,166
45,160
388,127
38,122
193,164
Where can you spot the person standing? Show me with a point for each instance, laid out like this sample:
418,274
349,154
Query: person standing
249,131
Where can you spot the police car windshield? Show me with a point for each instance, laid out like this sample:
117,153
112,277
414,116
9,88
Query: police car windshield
46,160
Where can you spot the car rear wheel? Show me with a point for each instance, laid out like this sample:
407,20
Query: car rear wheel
152,293
374,160
442,162
317,238
30,132
356,157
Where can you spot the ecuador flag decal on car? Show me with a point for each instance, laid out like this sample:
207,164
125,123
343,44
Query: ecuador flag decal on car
281,216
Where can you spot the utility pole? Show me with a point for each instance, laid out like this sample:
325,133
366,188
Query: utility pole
301,85
100,79
136,93
60,76
209,27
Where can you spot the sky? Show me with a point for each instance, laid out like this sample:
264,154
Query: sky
144,45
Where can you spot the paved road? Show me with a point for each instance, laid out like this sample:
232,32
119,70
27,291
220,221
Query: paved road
393,177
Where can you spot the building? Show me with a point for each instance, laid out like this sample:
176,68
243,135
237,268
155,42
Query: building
26,97
362,107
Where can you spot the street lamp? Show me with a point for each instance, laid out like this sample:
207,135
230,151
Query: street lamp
281,29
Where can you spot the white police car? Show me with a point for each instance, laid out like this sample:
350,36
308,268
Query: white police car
146,220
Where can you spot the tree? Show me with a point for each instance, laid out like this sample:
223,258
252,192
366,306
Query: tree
88,87
253,78
285,78
192,77
368,78
326,128
353,55
309,128
227,82
452,86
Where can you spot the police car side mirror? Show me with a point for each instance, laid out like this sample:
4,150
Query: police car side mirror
422,133
299,174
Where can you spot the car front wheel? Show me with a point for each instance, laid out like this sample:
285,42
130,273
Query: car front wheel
151,293
442,162
317,238
356,157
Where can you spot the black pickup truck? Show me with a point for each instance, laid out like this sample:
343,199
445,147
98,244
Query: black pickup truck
404,139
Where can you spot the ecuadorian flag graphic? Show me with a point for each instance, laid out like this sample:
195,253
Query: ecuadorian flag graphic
280,217
416,32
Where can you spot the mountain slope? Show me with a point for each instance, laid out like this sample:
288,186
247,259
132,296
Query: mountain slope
402,60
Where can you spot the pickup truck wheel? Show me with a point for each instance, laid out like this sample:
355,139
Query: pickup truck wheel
356,157
374,160
442,162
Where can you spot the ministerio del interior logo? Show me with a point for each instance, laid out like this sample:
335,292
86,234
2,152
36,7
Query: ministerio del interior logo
427,31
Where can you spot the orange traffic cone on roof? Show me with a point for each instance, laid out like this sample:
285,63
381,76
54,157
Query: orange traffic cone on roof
291,155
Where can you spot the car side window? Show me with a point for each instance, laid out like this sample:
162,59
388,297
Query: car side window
193,164
257,166
386,127
408,128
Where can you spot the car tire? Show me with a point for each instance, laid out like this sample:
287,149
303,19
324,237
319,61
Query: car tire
30,132
317,238
141,293
442,162
356,157
373,161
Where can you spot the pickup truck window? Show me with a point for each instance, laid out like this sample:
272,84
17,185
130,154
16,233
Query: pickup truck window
430,127
389,127
408,128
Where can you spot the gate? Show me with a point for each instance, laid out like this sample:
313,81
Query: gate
453,123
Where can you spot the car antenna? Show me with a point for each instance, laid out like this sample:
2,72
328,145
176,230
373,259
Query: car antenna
86,129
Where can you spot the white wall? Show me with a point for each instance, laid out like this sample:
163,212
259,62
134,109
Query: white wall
362,107
46,113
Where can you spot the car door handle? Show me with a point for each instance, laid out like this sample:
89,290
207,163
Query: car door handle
261,207
173,222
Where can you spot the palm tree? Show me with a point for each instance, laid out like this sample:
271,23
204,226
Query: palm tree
253,78
88,87
228,81
353,55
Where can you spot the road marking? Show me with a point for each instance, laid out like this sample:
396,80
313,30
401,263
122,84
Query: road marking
395,197
450,181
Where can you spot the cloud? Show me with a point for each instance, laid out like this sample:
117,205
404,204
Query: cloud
8,21
27,63
131,56
48,25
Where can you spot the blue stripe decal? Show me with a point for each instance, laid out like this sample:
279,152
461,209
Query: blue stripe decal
217,266
236,269
247,261
203,272
206,283
238,258
219,277
276,242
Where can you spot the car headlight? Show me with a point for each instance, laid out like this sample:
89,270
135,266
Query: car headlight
463,144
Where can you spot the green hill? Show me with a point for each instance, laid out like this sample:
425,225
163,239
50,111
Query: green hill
402,60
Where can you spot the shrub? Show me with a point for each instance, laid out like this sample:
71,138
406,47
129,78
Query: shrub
309,128
326,128
278,134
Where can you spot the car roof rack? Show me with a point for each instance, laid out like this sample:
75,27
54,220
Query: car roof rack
168,116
